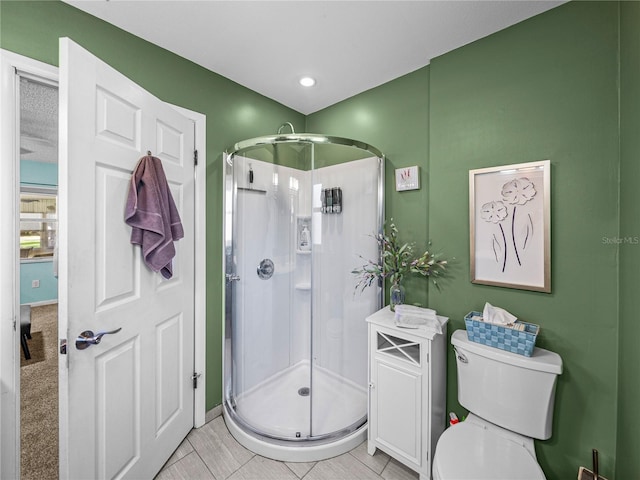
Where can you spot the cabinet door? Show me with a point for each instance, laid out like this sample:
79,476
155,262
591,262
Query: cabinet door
396,405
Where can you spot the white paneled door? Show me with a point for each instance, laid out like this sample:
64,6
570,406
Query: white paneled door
127,402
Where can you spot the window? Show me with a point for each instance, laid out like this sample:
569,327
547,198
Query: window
38,223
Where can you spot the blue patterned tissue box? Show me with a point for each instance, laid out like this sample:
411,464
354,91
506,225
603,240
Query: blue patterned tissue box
521,342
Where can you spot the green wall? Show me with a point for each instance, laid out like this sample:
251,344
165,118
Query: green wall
628,460
234,113
546,88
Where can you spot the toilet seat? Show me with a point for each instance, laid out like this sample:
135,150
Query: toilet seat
469,451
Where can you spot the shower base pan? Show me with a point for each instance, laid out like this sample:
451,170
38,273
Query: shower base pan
337,404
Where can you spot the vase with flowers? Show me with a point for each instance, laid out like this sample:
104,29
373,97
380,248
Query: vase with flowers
396,261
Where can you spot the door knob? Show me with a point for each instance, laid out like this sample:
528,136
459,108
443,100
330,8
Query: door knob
87,338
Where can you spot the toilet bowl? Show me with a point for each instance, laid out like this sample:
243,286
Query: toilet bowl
478,450
510,399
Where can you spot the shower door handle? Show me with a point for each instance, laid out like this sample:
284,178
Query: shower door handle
232,278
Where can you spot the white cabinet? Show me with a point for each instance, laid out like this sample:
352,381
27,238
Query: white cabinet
407,382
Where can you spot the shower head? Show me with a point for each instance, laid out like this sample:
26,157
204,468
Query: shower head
286,124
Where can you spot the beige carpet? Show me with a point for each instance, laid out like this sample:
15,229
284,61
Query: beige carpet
39,398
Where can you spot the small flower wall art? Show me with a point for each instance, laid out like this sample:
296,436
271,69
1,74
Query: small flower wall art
509,216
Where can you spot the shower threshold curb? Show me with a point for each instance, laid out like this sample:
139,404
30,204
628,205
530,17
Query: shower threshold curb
295,453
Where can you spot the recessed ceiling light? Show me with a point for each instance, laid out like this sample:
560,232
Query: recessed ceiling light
307,81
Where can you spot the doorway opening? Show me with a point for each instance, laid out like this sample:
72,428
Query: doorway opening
38,217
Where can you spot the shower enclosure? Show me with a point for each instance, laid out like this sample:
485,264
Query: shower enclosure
301,211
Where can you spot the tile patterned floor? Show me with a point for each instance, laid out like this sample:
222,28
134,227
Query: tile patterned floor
211,453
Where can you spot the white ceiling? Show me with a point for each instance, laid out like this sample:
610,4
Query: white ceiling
348,46
38,121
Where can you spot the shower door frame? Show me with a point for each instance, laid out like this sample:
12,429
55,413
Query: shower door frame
229,233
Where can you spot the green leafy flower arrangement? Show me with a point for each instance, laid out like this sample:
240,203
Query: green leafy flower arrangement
398,261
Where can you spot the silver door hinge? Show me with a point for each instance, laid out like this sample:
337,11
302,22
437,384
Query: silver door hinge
195,377
195,157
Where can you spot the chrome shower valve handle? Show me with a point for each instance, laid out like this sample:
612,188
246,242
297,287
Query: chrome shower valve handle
265,269
87,338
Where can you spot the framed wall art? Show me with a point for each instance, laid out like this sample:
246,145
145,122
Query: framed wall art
407,178
510,228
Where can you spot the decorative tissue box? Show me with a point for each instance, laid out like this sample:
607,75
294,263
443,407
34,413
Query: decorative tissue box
499,336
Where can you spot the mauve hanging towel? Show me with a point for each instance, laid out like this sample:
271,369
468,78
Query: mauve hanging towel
153,215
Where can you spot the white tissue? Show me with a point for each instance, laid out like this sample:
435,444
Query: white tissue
408,316
403,309
497,315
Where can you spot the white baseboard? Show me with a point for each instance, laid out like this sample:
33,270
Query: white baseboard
213,413
42,303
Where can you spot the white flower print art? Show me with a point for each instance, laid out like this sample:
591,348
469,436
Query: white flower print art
496,212
509,216
518,192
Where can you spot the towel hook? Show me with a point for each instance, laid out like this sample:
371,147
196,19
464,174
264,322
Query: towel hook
149,152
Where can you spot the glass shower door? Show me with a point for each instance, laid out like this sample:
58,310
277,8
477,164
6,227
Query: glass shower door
345,235
271,291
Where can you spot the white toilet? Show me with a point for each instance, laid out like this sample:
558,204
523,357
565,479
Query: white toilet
510,400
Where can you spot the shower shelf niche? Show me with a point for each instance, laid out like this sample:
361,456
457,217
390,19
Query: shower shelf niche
303,248
303,237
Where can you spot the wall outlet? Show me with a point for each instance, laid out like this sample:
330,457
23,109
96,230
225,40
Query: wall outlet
35,283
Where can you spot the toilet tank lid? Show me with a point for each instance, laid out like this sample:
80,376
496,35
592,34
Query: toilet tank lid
541,359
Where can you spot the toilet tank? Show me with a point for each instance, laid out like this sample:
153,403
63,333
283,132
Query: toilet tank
510,390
